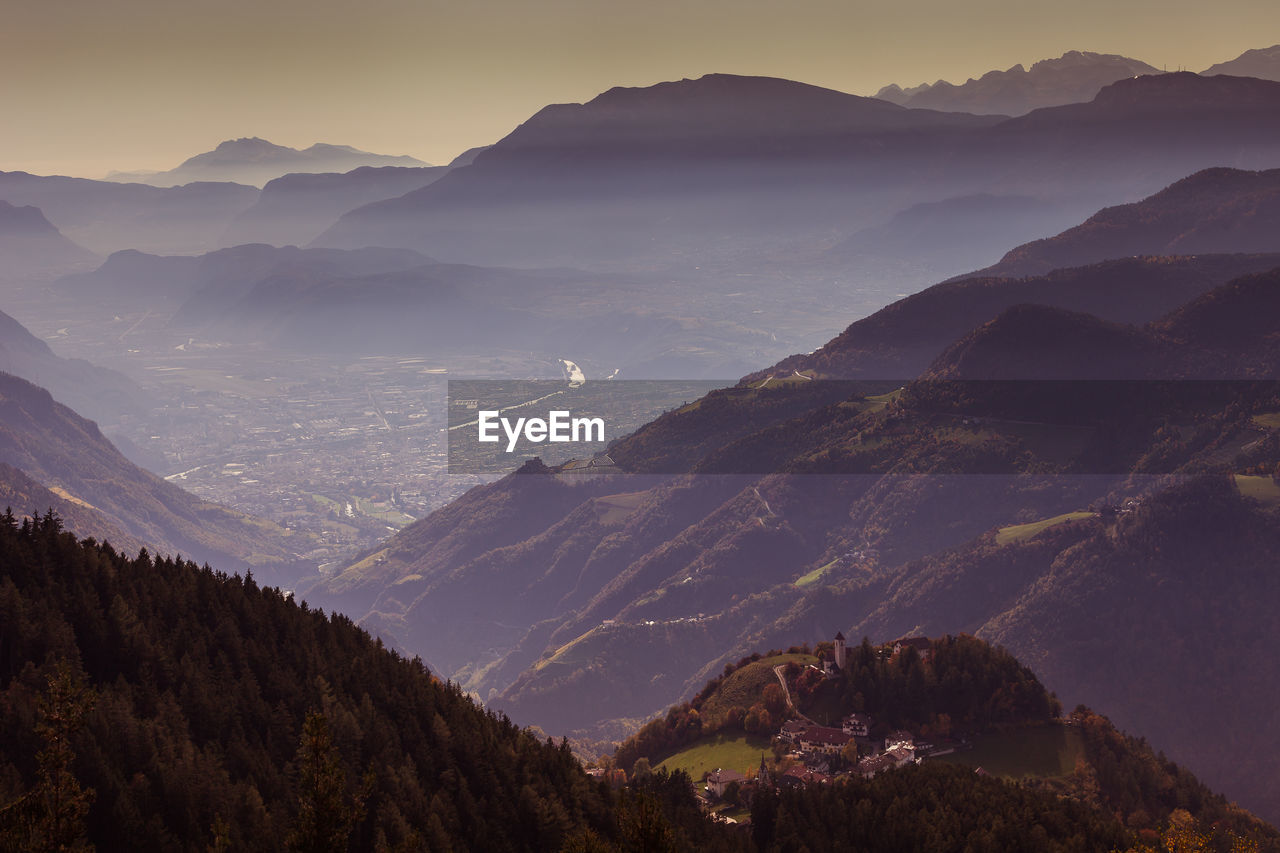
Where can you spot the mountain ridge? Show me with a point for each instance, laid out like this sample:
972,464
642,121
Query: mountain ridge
254,161
594,183
54,446
1075,76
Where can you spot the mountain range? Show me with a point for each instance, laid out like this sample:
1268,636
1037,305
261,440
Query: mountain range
103,216
294,209
1073,77
777,166
1216,210
197,216
348,745
1073,453
618,591
371,301
254,161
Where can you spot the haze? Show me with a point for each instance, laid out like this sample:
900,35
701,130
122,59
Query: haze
143,84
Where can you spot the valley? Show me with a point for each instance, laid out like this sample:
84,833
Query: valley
983,376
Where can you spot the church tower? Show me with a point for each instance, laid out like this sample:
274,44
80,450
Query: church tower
839,650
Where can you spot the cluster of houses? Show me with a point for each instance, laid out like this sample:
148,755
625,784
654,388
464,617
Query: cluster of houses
816,745
815,749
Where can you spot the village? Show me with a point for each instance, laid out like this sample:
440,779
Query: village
808,753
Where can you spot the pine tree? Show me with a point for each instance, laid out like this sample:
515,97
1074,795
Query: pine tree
325,818
50,817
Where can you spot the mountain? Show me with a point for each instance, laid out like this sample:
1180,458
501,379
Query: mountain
732,168
941,696
283,727
960,233
102,394
25,497
69,455
1043,343
1057,594
295,208
644,164
254,161
279,726
29,244
904,338
105,217
1228,333
625,589
132,279
466,158
1263,63
1071,78
1215,210
378,301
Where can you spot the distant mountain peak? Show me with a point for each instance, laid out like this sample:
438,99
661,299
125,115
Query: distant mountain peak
1075,76
31,244
718,87
23,220
1082,58
231,150
255,161
721,110
1263,63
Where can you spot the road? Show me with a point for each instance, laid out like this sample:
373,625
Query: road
777,670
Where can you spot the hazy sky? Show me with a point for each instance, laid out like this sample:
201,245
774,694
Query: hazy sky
92,85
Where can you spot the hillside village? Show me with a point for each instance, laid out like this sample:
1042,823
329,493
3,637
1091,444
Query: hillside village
809,753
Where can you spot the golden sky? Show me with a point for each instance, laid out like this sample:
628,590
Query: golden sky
87,86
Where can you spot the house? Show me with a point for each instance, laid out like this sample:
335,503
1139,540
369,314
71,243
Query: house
902,738
817,763
719,779
900,755
824,739
875,764
856,725
797,777
602,464
920,644
793,729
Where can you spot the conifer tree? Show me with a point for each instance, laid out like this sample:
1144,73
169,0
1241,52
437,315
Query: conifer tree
325,817
50,817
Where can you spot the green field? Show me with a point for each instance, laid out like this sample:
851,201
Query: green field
1270,420
743,687
383,511
732,752
1044,751
1023,532
881,401
1260,488
812,577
